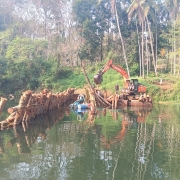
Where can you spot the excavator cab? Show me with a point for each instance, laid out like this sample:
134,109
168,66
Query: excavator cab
138,88
135,83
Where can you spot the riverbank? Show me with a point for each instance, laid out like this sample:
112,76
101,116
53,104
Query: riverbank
163,88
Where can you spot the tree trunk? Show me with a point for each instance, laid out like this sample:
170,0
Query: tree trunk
139,48
146,52
149,30
58,62
142,49
2,103
120,35
174,43
101,53
156,44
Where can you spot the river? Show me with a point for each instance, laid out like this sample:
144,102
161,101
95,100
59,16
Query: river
126,144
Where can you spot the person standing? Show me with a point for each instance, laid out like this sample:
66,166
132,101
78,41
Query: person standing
117,88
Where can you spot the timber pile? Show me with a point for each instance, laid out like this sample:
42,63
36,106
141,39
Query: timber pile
32,104
95,96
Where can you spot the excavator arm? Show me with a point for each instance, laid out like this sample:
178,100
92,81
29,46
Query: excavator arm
98,77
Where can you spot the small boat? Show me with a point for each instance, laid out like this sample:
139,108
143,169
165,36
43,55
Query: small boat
80,106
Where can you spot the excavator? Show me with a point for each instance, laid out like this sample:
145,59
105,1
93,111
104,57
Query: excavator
137,87
133,93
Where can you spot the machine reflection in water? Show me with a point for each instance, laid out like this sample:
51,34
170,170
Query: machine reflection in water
130,118
35,131
46,145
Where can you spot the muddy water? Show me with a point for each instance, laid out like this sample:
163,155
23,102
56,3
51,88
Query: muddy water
130,144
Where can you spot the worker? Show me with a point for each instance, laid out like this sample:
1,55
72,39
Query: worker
149,99
141,98
81,98
117,88
159,119
131,86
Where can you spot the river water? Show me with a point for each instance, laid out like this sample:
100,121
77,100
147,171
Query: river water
126,144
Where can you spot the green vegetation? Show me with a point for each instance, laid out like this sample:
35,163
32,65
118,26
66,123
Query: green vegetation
67,77
46,46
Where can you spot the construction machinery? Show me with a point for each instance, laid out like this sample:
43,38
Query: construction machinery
138,88
133,93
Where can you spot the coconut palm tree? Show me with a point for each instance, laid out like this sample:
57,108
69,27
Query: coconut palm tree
151,44
115,12
173,9
136,9
140,9
120,36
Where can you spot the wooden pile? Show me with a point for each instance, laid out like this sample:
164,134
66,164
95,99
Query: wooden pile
95,95
2,103
33,104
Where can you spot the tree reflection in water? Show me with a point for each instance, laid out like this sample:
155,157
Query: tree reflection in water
108,144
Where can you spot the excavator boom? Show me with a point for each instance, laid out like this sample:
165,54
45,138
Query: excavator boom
98,77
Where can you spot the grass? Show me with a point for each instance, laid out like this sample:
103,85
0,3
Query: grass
168,92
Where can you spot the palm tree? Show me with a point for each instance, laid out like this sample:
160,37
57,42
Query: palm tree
173,8
120,36
150,35
136,9
139,48
114,12
140,9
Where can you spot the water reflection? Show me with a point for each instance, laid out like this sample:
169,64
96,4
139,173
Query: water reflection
123,144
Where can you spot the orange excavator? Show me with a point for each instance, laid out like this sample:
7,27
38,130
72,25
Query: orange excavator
137,87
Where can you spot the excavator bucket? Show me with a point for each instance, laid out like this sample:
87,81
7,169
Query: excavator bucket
98,79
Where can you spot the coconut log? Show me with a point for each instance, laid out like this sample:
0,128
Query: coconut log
18,118
10,119
2,103
25,98
13,109
103,100
4,124
97,96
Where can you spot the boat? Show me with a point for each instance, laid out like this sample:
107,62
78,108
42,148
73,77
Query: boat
80,103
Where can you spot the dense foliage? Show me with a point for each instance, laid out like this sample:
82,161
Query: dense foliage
43,44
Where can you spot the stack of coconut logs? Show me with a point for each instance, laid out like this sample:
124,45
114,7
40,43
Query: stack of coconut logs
33,104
